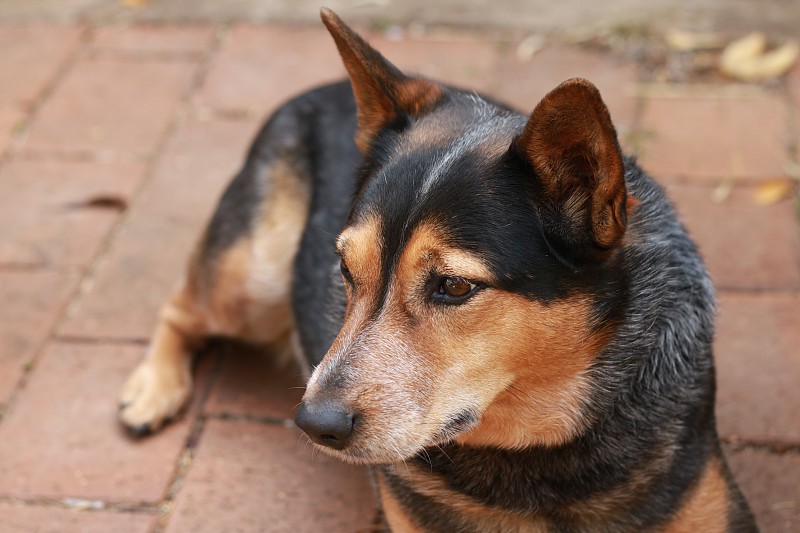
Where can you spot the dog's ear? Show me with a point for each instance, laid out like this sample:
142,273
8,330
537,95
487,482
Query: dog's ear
384,95
579,183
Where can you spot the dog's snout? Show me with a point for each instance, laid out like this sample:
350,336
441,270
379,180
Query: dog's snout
327,424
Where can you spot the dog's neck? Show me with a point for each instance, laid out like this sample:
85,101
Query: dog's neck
584,483
613,477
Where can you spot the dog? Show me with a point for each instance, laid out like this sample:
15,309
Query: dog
504,317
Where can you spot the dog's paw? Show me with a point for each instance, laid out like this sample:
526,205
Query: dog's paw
152,396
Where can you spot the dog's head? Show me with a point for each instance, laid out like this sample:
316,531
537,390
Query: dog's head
479,263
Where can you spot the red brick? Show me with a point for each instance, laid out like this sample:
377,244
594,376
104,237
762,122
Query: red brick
153,39
31,304
758,363
466,63
523,84
255,383
44,219
715,137
249,477
62,438
794,87
794,97
53,10
745,245
31,57
152,251
261,66
771,484
108,105
18,519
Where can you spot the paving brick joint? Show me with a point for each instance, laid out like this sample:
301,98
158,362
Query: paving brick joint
115,142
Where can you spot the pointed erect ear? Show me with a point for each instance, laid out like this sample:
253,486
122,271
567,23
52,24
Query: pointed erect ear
579,187
383,94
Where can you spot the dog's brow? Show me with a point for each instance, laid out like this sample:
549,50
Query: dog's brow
467,264
342,243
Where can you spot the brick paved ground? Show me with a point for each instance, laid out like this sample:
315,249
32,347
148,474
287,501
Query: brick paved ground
115,143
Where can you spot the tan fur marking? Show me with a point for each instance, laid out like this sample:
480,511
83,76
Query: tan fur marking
396,516
361,252
225,314
524,364
413,366
606,506
437,132
480,517
250,296
159,387
429,134
247,297
706,508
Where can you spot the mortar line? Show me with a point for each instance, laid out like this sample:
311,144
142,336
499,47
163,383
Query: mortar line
88,275
771,446
765,291
143,56
264,420
89,505
151,163
186,456
114,341
44,95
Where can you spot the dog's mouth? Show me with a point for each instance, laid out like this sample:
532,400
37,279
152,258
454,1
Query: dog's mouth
390,449
459,423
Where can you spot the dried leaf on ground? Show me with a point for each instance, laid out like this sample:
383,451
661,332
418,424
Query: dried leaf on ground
684,41
722,191
136,3
747,59
529,47
773,191
102,201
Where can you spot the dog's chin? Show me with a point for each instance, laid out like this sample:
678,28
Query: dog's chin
358,455
385,451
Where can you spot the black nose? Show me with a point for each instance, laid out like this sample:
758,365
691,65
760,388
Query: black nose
326,423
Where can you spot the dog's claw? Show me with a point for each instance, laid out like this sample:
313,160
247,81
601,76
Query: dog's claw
152,397
142,430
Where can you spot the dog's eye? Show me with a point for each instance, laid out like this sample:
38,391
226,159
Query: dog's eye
453,290
346,273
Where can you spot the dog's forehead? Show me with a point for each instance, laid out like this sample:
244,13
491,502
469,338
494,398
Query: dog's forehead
451,153
467,185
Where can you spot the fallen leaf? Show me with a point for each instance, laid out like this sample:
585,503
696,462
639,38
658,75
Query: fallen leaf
684,41
773,191
792,168
722,191
102,201
747,60
378,3
529,47
745,48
